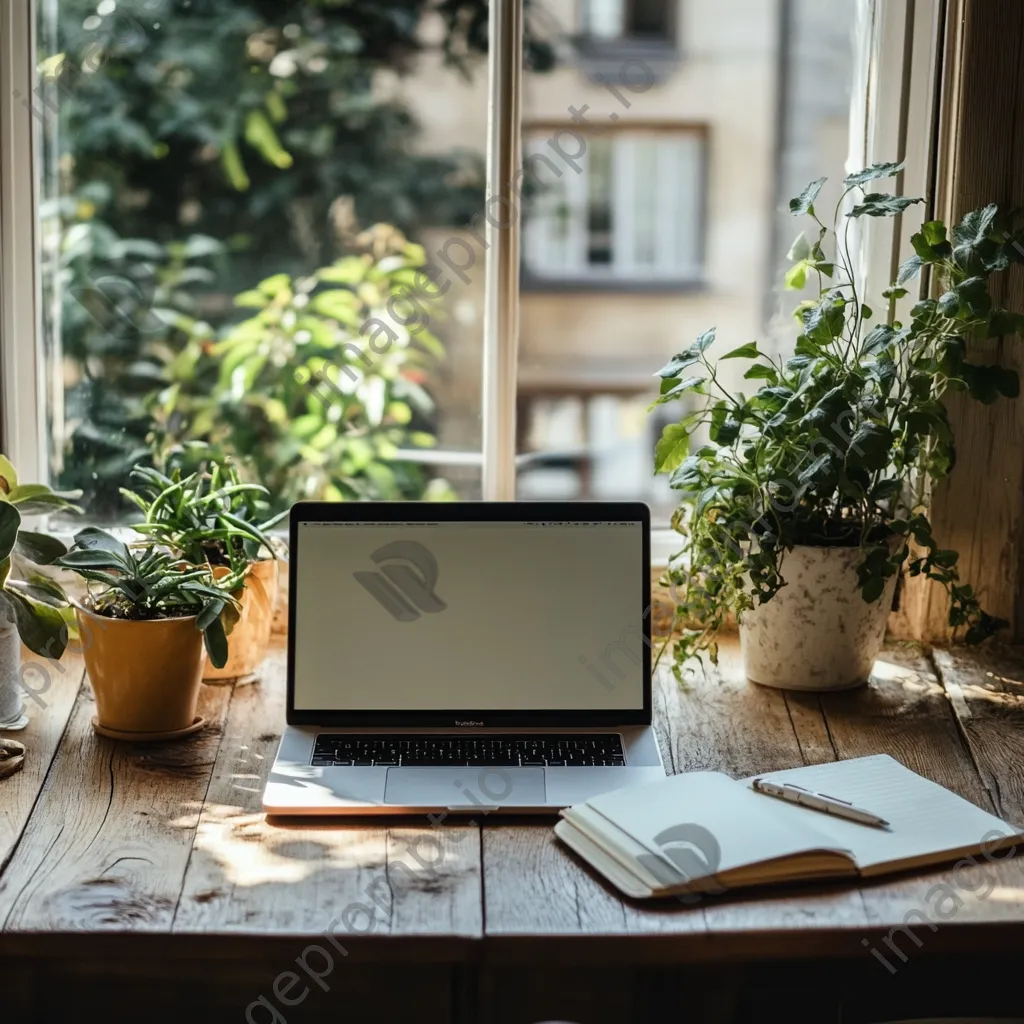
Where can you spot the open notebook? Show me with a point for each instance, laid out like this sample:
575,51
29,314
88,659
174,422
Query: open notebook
704,832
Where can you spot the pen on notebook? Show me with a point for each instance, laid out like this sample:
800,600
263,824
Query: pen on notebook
819,802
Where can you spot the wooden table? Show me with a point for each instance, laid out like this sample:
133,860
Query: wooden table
145,880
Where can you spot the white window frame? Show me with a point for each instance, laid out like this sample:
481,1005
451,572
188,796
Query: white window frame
22,406
901,43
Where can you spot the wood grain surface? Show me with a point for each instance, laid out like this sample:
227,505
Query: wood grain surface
142,854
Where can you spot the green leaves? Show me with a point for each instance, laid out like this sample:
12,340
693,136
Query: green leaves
796,277
152,584
10,521
38,547
33,499
870,447
988,383
804,203
930,242
672,448
260,134
909,269
748,351
677,364
40,625
216,642
878,204
35,606
875,171
842,437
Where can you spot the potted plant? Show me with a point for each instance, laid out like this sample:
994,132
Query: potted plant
212,517
808,496
33,610
143,629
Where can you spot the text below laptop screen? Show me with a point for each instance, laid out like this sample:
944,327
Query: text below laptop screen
469,616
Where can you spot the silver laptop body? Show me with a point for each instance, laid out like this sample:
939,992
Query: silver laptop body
465,657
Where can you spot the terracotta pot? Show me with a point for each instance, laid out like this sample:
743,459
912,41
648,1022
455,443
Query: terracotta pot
817,632
248,641
145,674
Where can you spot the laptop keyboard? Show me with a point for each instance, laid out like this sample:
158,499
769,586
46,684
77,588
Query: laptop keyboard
485,751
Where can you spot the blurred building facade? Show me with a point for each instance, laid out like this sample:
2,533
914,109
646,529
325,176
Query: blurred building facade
661,149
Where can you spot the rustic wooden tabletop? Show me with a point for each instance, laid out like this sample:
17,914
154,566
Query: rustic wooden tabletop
153,866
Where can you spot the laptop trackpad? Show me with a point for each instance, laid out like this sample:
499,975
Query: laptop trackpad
470,788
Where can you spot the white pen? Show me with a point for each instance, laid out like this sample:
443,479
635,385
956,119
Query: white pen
819,802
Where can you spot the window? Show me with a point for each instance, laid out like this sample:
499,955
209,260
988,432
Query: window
199,185
633,213
632,19
233,206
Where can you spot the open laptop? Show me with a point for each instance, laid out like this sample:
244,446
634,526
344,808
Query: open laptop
465,657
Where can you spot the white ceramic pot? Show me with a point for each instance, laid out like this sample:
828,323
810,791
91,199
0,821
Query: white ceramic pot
12,706
817,632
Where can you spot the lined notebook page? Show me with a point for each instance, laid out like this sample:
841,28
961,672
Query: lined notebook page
745,829
925,819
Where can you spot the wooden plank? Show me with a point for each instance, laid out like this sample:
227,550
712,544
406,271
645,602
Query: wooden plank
535,887
48,715
979,509
986,690
248,875
905,713
745,730
159,990
106,846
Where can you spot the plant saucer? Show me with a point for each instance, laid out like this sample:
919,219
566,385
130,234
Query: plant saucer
148,737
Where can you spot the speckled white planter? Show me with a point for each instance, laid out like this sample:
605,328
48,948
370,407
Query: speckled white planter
817,632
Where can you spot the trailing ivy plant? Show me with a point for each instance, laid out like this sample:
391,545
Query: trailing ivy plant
840,444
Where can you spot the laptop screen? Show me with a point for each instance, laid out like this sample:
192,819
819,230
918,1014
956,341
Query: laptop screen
468,616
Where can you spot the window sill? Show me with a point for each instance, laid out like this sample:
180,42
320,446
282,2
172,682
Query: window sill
650,48
603,60
535,284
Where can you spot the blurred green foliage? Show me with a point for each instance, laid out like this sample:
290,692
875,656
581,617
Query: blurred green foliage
321,384
199,145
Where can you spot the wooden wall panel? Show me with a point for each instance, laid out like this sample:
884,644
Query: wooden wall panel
978,510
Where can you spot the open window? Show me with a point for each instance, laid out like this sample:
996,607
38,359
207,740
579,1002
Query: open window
168,176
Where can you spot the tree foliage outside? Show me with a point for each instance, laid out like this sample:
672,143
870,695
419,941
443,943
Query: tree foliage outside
201,146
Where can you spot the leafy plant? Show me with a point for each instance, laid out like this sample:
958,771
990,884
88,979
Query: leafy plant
321,384
209,515
37,605
119,300
154,584
841,444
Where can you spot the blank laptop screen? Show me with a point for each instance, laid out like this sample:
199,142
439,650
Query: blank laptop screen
468,616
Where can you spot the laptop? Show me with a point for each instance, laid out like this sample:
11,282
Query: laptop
470,657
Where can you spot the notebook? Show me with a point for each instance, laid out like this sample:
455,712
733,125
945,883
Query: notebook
704,832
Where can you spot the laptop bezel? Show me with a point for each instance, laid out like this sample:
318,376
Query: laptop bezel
482,511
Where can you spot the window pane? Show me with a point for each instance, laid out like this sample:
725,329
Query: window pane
649,18
599,204
686,131
603,19
238,202
634,206
643,195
